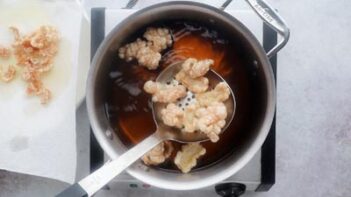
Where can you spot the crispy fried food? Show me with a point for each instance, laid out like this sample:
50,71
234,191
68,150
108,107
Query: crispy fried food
35,52
37,49
196,85
147,53
160,38
208,113
172,115
192,72
190,120
159,154
7,74
196,68
16,33
164,93
219,94
148,58
36,87
129,51
211,120
142,52
186,159
45,95
5,52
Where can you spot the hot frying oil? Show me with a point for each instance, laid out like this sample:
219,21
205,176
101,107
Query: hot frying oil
129,108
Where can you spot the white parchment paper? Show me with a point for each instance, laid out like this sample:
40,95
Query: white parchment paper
36,139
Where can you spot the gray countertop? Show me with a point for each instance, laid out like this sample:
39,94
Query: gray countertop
313,110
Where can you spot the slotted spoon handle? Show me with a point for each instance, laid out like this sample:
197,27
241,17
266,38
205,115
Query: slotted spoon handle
95,181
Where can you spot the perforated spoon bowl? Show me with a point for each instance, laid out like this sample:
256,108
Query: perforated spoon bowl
95,181
175,134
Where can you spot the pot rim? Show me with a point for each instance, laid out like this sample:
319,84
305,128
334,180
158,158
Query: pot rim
249,152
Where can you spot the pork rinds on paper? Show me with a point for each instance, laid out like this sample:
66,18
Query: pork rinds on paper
5,52
7,74
35,53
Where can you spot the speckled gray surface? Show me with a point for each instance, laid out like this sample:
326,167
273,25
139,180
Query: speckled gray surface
313,110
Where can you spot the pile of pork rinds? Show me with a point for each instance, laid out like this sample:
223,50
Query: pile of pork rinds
207,114
34,54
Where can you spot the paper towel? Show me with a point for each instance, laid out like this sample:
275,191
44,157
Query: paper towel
41,139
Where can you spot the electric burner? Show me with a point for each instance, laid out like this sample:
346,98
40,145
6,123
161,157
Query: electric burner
258,175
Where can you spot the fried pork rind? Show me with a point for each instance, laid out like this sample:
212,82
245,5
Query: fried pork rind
211,119
190,119
5,52
219,94
173,115
36,88
208,113
160,38
35,53
159,154
147,53
196,85
38,49
186,159
129,51
148,58
7,74
192,72
196,68
45,96
208,120
142,52
164,93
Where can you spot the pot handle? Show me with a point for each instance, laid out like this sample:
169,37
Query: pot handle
266,13
272,18
131,4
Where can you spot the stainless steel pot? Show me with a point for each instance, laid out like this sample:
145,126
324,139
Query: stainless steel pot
96,88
